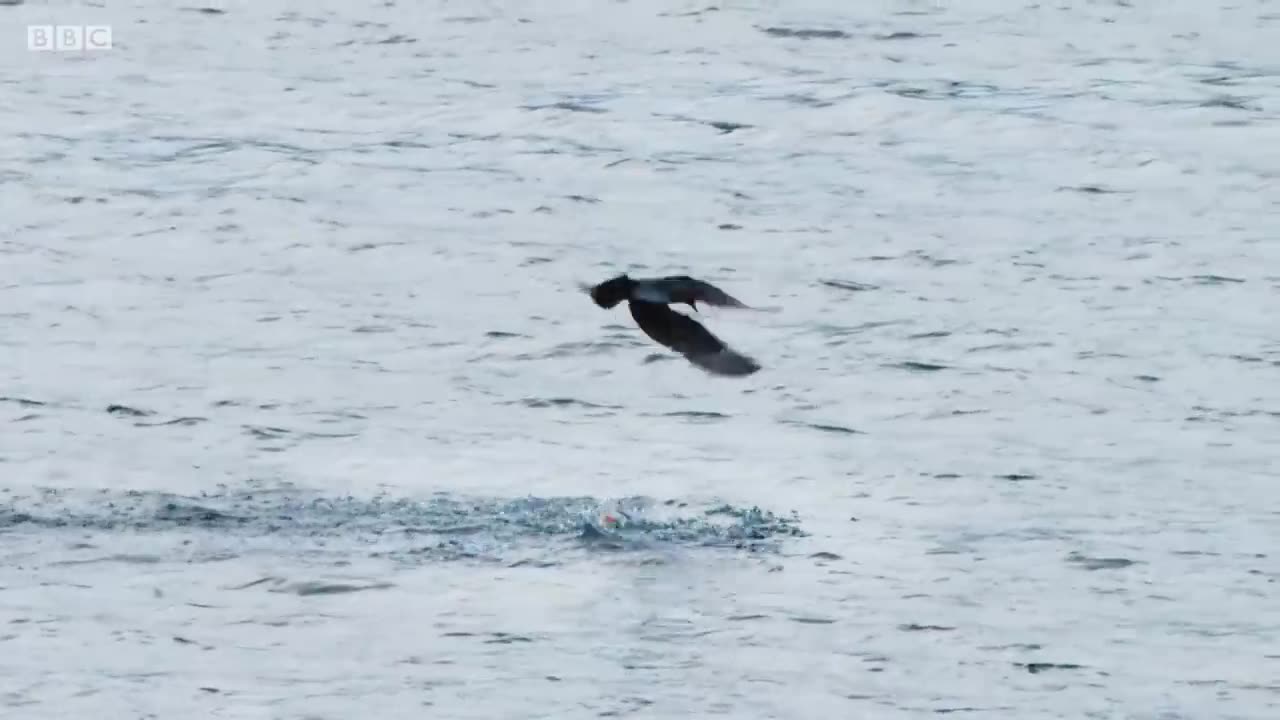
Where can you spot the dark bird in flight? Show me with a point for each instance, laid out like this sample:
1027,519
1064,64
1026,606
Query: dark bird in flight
648,300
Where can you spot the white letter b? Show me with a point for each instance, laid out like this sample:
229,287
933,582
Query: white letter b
40,37
69,37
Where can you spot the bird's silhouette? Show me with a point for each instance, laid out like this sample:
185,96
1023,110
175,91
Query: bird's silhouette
649,298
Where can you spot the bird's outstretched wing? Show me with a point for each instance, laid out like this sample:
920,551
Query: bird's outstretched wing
684,289
689,338
687,289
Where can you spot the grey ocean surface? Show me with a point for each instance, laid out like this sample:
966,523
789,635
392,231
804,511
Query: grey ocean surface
303,415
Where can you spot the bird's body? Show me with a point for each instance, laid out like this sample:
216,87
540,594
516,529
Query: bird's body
648,300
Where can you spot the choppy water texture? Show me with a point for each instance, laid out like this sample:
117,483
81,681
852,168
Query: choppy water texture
304,415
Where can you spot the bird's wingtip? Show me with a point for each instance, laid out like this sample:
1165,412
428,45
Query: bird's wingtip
726,363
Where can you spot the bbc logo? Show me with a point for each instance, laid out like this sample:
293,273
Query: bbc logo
68,37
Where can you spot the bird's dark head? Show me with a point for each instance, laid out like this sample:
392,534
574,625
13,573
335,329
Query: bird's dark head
613,291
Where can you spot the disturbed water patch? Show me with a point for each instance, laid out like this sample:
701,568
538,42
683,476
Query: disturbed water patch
697,415
22,402
312,587
806,33
437,527
915,366
831,428
1099,563
561,402
849,285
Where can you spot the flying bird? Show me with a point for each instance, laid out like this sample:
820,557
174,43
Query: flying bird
648,300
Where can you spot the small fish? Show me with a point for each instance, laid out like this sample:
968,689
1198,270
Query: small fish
648,300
